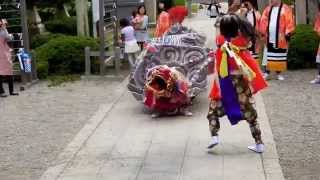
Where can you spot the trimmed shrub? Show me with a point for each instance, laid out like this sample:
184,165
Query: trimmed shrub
40,39
195,8
63,55
289,2
179,2
303,48
67,25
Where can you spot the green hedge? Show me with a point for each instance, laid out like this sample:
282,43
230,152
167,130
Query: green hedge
303,48
180,2
67,25
41,39
290,2
63,55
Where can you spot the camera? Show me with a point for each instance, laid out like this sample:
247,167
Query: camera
4,21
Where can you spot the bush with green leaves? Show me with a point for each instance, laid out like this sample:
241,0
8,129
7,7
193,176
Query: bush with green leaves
303,48
41,39
290,2
66,25
180,2
63,55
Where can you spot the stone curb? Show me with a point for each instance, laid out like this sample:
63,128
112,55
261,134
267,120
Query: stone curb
270,158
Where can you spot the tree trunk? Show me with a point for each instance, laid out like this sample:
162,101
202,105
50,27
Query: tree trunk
35,22
312,10
301,13
151,7
82,18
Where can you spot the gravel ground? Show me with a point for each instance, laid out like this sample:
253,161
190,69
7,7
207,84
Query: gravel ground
293,107
38,124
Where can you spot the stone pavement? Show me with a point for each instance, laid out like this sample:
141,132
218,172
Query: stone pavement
122,142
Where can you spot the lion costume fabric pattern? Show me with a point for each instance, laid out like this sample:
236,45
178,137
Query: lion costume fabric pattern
171,70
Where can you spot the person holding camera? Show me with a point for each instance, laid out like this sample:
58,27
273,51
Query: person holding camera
6,71
249,10
214,9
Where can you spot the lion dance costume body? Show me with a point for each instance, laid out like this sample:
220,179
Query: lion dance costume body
172,69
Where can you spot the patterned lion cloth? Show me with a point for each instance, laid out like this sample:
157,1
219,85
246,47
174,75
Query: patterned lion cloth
171,70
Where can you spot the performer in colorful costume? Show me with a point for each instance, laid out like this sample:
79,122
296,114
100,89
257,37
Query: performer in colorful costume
277,25
237,77
317,29
163,23
172,70
174,16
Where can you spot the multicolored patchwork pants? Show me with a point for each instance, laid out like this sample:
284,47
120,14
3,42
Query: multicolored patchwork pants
248,111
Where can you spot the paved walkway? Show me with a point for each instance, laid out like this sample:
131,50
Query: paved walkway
122,142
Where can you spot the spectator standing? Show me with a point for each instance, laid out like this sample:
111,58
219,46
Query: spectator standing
249,10
6,71
234,6
277,25
140,23
213,9
317,29
163,23
131,47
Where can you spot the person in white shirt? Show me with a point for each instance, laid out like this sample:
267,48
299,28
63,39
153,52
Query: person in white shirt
277,25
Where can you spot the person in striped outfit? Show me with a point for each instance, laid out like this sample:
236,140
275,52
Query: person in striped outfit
277,25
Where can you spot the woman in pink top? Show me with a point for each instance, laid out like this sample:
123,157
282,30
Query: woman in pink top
140,23
5,60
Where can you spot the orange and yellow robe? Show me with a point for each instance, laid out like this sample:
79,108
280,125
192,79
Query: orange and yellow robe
236,78
257,83
285,26
317,29
163,24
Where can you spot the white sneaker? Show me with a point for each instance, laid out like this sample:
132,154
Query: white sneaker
316,80
280,77
155,115
213,142
265,76
258,148
187,113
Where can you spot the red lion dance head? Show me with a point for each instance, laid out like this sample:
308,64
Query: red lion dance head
166,89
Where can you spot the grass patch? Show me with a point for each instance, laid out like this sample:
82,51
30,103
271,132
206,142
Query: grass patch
58,80
194,8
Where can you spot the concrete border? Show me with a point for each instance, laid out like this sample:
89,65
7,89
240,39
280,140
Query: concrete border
70,152
270,158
